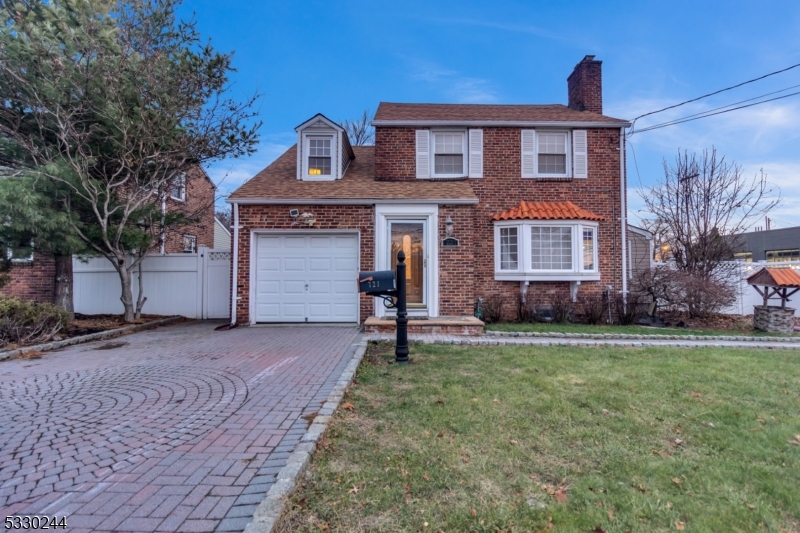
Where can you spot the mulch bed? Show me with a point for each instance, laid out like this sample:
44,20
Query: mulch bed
88,324
720,322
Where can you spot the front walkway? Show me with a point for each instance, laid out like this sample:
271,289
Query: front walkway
182,428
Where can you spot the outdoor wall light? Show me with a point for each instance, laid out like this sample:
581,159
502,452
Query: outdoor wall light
448,226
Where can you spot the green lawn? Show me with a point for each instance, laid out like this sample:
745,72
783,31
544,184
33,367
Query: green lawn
499,439
628,330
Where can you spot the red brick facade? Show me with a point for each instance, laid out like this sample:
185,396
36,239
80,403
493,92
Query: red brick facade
328,217
35,280
32,280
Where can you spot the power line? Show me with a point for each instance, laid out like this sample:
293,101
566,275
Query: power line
723,107
690,119
633,122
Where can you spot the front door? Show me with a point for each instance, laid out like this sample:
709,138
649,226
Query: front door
410,236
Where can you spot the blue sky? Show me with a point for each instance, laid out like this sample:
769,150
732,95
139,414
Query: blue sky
340,58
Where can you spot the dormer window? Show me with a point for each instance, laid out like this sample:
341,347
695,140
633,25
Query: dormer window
323,150
319,156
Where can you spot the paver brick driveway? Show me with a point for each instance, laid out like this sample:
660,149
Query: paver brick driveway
182,428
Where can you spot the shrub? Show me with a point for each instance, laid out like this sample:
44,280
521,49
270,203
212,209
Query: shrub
592,307
629,309
493,307
561,305
698,295
704,297
24,322
526,310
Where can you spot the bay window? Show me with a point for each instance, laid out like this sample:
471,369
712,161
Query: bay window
538,250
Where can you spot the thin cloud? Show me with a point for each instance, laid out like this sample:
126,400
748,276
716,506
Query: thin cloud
232,174
454,86
507,27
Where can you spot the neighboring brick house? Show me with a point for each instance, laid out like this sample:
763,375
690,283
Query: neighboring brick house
34,278
534,196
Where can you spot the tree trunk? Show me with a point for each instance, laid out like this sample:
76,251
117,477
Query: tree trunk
141,299
127,294
63,286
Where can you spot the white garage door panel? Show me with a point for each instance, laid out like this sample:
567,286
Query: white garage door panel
306,278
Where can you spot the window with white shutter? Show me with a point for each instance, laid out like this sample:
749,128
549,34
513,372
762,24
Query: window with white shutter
423,142
580,154
475,153
528,153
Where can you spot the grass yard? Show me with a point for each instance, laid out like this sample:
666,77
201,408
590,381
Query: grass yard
526,439
628,330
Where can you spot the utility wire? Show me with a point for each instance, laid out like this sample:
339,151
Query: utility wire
633,122
725,106
690,119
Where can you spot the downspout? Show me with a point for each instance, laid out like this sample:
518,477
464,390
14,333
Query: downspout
235,259
163,221
623,213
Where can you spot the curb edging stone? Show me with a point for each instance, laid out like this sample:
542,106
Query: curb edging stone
100,335
631,336
271,508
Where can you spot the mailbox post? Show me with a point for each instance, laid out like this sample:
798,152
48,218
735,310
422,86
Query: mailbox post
388,285
401,346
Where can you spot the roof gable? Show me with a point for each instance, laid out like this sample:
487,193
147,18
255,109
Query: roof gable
319,120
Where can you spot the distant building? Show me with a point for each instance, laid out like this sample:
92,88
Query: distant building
772,246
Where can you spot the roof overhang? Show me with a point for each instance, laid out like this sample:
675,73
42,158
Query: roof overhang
501,123
323,118
350,201
639,231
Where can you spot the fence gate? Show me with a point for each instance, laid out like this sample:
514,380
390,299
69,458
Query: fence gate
191,285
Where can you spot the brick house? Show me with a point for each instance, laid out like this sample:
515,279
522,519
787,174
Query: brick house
484,199
33,278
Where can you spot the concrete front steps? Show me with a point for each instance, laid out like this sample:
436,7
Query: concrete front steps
444,325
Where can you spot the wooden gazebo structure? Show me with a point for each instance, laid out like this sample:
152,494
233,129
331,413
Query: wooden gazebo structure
772,282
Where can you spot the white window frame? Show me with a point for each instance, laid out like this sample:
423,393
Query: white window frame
567,147
181,181
10,256
525,271
306,154
464,153
194,243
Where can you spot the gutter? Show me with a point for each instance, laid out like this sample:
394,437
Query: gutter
501,123
623,212
235,269
350,201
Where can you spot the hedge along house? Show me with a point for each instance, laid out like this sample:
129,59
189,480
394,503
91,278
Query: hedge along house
484,200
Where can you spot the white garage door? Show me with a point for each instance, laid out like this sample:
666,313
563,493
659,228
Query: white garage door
307,278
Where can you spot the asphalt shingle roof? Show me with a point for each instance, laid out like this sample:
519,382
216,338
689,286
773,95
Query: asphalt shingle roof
390,111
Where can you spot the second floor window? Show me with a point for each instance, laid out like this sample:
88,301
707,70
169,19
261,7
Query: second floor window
177,190
448,154
551,153
319,157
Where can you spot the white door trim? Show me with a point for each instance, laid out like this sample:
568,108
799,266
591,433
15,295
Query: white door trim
254,254
409,212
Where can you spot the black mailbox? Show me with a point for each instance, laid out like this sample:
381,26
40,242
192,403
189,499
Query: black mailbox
378,283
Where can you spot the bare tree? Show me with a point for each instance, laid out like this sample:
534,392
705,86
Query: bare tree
225,216
702,205
360,131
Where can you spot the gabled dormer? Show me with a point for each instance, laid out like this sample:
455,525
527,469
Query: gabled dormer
323,150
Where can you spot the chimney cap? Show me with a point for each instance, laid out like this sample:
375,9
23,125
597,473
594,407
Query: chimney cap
588,58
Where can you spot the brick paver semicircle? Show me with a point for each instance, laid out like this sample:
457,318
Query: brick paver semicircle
177,429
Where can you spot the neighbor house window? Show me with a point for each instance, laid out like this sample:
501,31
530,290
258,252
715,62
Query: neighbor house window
747,257
509,249
535,250
177,190
319,156
780,256
448,154
552,149
189,244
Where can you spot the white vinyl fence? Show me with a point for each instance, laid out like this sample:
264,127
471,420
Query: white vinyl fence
747,296
191,285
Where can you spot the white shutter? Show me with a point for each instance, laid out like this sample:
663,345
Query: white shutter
580,154
423,154
475,153
528,153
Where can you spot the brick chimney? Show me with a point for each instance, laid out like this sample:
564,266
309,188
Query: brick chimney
585,86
